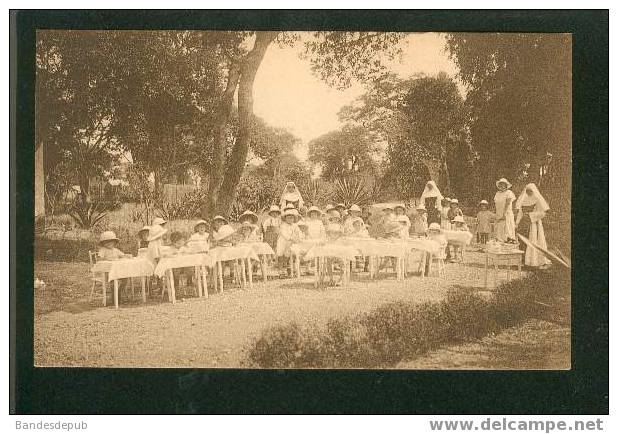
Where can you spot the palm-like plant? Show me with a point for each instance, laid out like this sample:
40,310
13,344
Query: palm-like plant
311,191
351,192
87,214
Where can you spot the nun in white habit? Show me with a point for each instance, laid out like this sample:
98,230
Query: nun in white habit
431,198
291,196
531,209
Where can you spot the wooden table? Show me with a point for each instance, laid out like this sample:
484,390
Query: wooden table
199,261
508,259
125,268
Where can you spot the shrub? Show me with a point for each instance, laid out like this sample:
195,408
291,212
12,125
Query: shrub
87,214
351,192
397,331
61,250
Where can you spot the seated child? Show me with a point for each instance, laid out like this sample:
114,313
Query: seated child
420,223
334,229
400,210
222,234
178,241
456,250
252,218
247,232
434,233
270,226
358,229
404,223
198,241
315,226
388,214
353,213
289,233
162,223
182,276
485,220
108,247
142,237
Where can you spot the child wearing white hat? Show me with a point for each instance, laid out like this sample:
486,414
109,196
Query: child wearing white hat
445,222
315,226
256,234
420,223
199,239
485,219
222,231
456,250
289,233
155,242
108,247
142,237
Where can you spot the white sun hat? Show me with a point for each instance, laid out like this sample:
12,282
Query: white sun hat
455,201
434,227
421,207
274,208
108,236
291,211
335,215
144,229
223,232
159,221
314,209
458,219
156,232
504,180
219,217
251,214
484,202
199,222
355,208
399,205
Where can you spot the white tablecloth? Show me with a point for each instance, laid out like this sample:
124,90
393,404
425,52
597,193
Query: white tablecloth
125,268
241,251
425,245
459,237
183,260
336,250
260,248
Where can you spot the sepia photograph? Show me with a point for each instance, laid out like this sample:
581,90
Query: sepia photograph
302,199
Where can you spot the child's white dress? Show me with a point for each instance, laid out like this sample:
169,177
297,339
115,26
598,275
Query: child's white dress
315,229
199,241
154,250
504,228
288,234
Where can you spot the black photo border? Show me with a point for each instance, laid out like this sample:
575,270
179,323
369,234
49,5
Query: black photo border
581,390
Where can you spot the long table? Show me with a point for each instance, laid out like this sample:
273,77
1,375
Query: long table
125,268
198,261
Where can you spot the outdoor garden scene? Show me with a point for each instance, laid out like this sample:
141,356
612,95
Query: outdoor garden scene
361,200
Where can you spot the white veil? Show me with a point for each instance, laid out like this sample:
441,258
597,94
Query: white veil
535,199
291,196
433,192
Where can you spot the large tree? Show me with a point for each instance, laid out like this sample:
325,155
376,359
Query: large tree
347,151
519,101
422,123
337,57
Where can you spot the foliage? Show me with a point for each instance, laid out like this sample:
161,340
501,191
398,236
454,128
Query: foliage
352,191
88,214
255,192
399,331
344,152
519,103
422,122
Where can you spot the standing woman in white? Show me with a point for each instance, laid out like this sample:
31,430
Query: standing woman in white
505,219
531,209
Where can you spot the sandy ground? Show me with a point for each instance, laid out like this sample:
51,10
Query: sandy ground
534,345
206,332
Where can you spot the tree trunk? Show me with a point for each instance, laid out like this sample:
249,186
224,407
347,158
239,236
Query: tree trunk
238,157
215,174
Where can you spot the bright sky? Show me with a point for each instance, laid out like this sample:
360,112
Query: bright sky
288,95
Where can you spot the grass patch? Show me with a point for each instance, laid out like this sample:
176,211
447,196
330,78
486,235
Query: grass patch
401,331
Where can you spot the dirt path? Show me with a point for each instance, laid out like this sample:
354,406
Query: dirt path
208,332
